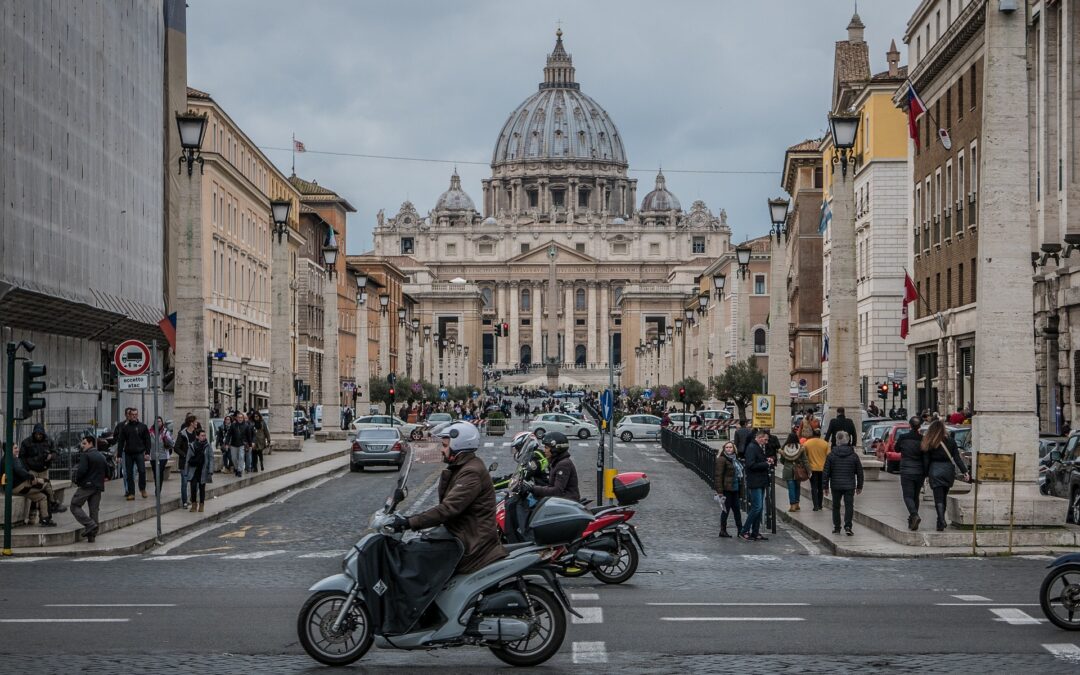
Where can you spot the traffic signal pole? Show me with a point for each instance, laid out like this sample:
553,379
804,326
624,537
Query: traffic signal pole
9,446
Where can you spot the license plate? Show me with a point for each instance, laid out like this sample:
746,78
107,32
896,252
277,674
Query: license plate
376,448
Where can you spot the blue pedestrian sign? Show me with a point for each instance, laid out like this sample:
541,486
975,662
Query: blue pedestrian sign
475,395
605,404
219,355
443,395
646,394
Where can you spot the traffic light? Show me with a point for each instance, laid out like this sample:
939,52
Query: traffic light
239,392
32,387
896,387
506,329
392,393
210,370
682,394
883,391
498,330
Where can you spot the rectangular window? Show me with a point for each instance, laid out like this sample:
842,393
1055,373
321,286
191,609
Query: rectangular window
974,87
974,280
486,249
451,249
524,248
583,199
948,109
759,284
948,288
654,248
618,247
558,197
960,285
407,246
918,292
960,98
579,247
534,198
579,322
526,322
937,292
974,171
699,244
960,186
946,227
819,178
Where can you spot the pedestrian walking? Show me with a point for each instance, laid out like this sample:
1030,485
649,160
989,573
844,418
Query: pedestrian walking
757,468
26,484
37,452
817,449
844,476
743,435
133,442
184,439
838,424
914,465
796,469
261,442
200,466
944,459
728,477
223,448
89,480
236,440
161,444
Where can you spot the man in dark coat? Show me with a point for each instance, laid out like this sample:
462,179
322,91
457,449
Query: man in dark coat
562,474
844,476
837,424
757,466
37,452
90,480
133,442
913,469
743,435
26,484
466,500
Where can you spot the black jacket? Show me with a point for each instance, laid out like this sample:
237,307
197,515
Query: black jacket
91,470
181,448
840,423
944,465
757,467
36,450
743,435
239,433
562,479
19,472
133,438
843,470
913,461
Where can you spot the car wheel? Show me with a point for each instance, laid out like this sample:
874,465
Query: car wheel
539,433
583,434
416,434
1074,507
626,437
360,467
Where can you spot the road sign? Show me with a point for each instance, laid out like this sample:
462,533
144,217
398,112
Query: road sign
443,395
220,354
764,411
132,358
995,467
793,388
128,382
606,404
900,373
802,382
475,395
646,394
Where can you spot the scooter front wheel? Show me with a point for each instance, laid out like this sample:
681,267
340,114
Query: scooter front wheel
546,635
626,562
1060,597
315,628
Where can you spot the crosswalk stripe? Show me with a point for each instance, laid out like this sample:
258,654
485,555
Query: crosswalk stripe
639,446
761,558
972,598
252,556
185,556
1015,617
588,615
489,444
589,652
578,597
324,554
103,558
1064,651
25,560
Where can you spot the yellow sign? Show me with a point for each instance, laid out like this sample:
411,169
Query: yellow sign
995,467
764,411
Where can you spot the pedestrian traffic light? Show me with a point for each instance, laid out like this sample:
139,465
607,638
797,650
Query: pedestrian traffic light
391,394
32,387
506,329
498,330
896,387
682,394
883,391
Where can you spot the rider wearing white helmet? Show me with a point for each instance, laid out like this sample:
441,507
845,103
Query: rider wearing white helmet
466,500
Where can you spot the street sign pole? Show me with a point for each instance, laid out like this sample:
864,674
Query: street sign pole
155,373
9,445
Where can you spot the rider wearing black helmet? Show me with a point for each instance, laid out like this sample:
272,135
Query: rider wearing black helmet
562,474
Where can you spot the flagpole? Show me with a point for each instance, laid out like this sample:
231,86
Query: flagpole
294,154
937,315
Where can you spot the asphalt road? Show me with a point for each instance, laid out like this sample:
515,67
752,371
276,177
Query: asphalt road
225,600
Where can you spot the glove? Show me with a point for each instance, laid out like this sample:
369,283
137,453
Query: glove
526,487
399,523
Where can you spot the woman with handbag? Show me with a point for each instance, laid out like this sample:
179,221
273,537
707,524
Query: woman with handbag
728,478
796,468
944,459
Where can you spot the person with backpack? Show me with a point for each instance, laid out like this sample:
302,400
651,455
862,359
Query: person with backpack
261,444
89,478
844,476
200,467
796,469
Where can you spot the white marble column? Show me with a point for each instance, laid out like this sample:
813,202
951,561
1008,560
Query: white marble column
843,391
568,324
402,346
743,327
281,368
363,366
191,393
590,323
513,342
331,384
605,323
537,322
384,342
501,313
779,360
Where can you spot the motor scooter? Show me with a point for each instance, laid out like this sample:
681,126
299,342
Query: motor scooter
1059,595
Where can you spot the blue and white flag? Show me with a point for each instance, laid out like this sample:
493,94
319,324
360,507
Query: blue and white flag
826,217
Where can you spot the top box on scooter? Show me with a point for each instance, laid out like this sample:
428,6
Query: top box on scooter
631,487
558,521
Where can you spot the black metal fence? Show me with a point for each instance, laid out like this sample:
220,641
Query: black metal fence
66,427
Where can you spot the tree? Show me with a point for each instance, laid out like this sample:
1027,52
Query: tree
695,390
738,383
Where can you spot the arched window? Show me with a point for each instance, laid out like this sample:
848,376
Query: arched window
485,296
579,355
579,298
526,354
759,341
618,294
526,300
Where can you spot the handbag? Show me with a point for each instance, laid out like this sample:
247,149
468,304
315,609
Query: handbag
801,472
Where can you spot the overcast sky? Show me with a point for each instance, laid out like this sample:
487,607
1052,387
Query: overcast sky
713,85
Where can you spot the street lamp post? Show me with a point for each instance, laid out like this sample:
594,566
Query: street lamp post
743,253
363,366
384,334
719,281
282,390
779,359
331,383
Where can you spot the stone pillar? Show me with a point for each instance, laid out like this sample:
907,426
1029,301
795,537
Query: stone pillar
384,342
192,393
568,324
501,313
537,322
363,366
331,384
1005,419
742,328
402,346
843,391
513,342
590,323
605,324
779,360
281,368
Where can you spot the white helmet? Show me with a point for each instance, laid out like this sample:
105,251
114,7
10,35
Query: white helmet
464,437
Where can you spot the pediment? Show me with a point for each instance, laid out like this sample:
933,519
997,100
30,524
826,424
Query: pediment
540,255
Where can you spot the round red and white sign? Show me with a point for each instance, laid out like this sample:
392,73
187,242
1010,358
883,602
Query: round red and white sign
132,358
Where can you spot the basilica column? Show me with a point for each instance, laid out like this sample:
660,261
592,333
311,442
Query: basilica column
536,296
590,323
515,196
568,323
605,323
544,199
513,346
501,307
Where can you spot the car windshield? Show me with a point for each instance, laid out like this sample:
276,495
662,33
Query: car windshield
377,435
439,417
962,437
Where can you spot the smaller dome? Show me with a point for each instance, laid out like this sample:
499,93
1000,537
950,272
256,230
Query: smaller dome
660,199
490,220
455,198
617,221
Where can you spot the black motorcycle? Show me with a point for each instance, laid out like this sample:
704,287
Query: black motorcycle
1060,593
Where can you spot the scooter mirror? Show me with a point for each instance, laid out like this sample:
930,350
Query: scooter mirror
493,466
400,494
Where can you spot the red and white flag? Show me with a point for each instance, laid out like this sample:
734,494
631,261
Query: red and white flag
915,109
910,295
298,146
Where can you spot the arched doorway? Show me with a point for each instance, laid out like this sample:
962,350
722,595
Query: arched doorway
526,354
579,355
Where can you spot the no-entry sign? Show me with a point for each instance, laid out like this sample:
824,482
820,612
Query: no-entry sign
132,358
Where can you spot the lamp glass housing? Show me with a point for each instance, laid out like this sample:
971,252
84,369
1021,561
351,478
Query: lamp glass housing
416,324
678,324
703,300
778,209
718,281
844,129
689,314
384,299
427,331
401,314
361,281
279,210
742,254
192,128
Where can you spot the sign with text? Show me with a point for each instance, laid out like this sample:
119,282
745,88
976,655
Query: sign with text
764,411
128,382
132,358
995,467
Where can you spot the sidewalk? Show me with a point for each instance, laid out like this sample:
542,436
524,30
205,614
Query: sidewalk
881,527
131,526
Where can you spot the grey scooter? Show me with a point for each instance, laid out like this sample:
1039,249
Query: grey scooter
513,606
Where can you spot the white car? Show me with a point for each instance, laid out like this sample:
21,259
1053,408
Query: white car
638,426
564,423
411,431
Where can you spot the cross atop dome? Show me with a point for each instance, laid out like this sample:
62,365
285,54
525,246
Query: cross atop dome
559,71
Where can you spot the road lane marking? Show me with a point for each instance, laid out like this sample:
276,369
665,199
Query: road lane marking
728,604
589,652
761,558
687,557
986,604
103,558
584,596
811,548
639,446
732,618
119,604
617,458
253,556
588,615
972,598
418,504
324,554
1035,557
1015,617
26,560
489,445
1064,651
661,459
64,620
185,556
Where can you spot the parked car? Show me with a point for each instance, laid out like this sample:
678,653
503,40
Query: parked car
378,447
638,426
300,425
437,417
1048,443
876,435
411,431
564,423
886,451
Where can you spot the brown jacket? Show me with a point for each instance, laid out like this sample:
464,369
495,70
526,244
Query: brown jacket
724,476
467,508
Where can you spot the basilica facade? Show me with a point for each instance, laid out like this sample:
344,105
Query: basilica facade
557,240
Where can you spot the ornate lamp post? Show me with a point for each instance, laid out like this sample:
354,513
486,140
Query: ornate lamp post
331,383
363,366
779,372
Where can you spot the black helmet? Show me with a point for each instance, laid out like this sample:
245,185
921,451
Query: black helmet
556,442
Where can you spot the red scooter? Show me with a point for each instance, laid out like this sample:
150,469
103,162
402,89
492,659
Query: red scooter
611,532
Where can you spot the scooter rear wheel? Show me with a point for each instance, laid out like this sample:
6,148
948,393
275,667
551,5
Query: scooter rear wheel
626,562
1060,597
348,644
546,636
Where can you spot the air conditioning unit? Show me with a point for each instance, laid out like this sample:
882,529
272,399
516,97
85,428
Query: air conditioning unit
959,205
971,197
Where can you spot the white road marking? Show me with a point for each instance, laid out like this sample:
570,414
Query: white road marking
986,604
661,459
1036,557
584,596
324,554
1015,617
64,620
731,618
639,446
590,652
489,445
761,558
26,560
972,598
810,547
253,556
1064,651
617,458
588,615
115,605
419,503
728,604
102,558
186,556
686,557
